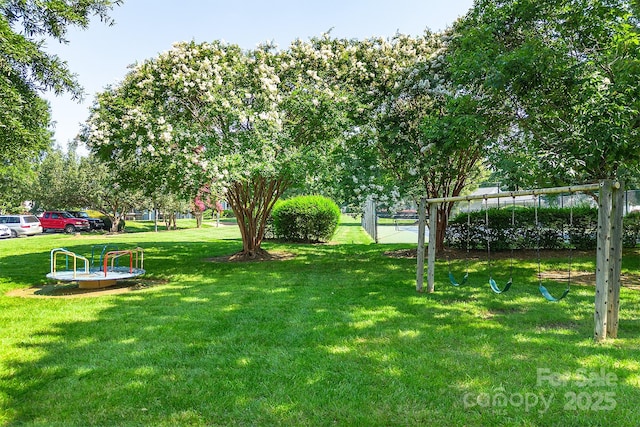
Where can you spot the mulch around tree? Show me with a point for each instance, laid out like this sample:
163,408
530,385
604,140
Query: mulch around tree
71,290
260,256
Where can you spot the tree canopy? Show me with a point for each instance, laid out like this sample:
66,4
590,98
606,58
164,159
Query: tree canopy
412,132
27,70
379,116
248,123
543,92
568,73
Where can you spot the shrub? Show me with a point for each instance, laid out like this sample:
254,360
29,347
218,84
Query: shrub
108,223
555,231
631,227
305,219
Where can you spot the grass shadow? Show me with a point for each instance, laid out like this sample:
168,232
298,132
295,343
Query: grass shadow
335,335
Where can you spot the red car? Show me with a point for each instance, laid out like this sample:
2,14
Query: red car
61,220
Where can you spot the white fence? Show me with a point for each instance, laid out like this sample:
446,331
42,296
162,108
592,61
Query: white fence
370,218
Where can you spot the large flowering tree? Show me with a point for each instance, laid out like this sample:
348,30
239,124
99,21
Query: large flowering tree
368,71
247,123
414,133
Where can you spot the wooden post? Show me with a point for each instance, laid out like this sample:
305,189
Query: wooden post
431,258
603,258
613,298
608,256
422,209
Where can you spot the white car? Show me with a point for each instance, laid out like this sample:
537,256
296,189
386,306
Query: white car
5,231
21,225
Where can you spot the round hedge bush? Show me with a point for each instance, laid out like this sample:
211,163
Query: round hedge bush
307,219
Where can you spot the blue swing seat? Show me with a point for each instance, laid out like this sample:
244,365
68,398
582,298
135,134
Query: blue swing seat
454,282
496,289
545,293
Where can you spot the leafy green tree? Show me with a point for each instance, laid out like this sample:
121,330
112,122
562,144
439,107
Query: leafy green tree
26,70
105,193
167,205
16,182
368,72
62,181
514,164
67,181
568,74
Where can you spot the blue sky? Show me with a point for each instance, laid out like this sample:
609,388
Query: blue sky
100,55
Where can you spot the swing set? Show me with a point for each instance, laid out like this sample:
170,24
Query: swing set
452,277
608,254
543,290
494,286
492,283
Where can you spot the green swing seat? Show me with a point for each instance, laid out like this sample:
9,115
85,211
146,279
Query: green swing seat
495,288
543,290
454,282
545,293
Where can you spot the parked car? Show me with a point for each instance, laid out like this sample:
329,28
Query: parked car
4,231
62,220
21,225
94,223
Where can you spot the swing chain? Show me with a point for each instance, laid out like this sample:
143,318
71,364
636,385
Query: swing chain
541,287
488,234
538,231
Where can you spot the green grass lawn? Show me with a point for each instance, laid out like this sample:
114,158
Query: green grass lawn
336,335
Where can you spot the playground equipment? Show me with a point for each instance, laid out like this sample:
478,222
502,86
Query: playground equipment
494,286
452,278
608,253
543,290
106,271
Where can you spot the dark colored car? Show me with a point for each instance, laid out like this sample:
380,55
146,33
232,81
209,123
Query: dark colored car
94,223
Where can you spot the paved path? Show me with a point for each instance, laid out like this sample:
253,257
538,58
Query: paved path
400,234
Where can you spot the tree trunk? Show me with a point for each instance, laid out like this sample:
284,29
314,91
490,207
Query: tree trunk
166,220
112,211
115,223
198,214
450,182
155,219
442,219
115,218
252,202
441,228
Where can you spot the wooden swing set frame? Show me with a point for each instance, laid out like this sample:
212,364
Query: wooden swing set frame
608,253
